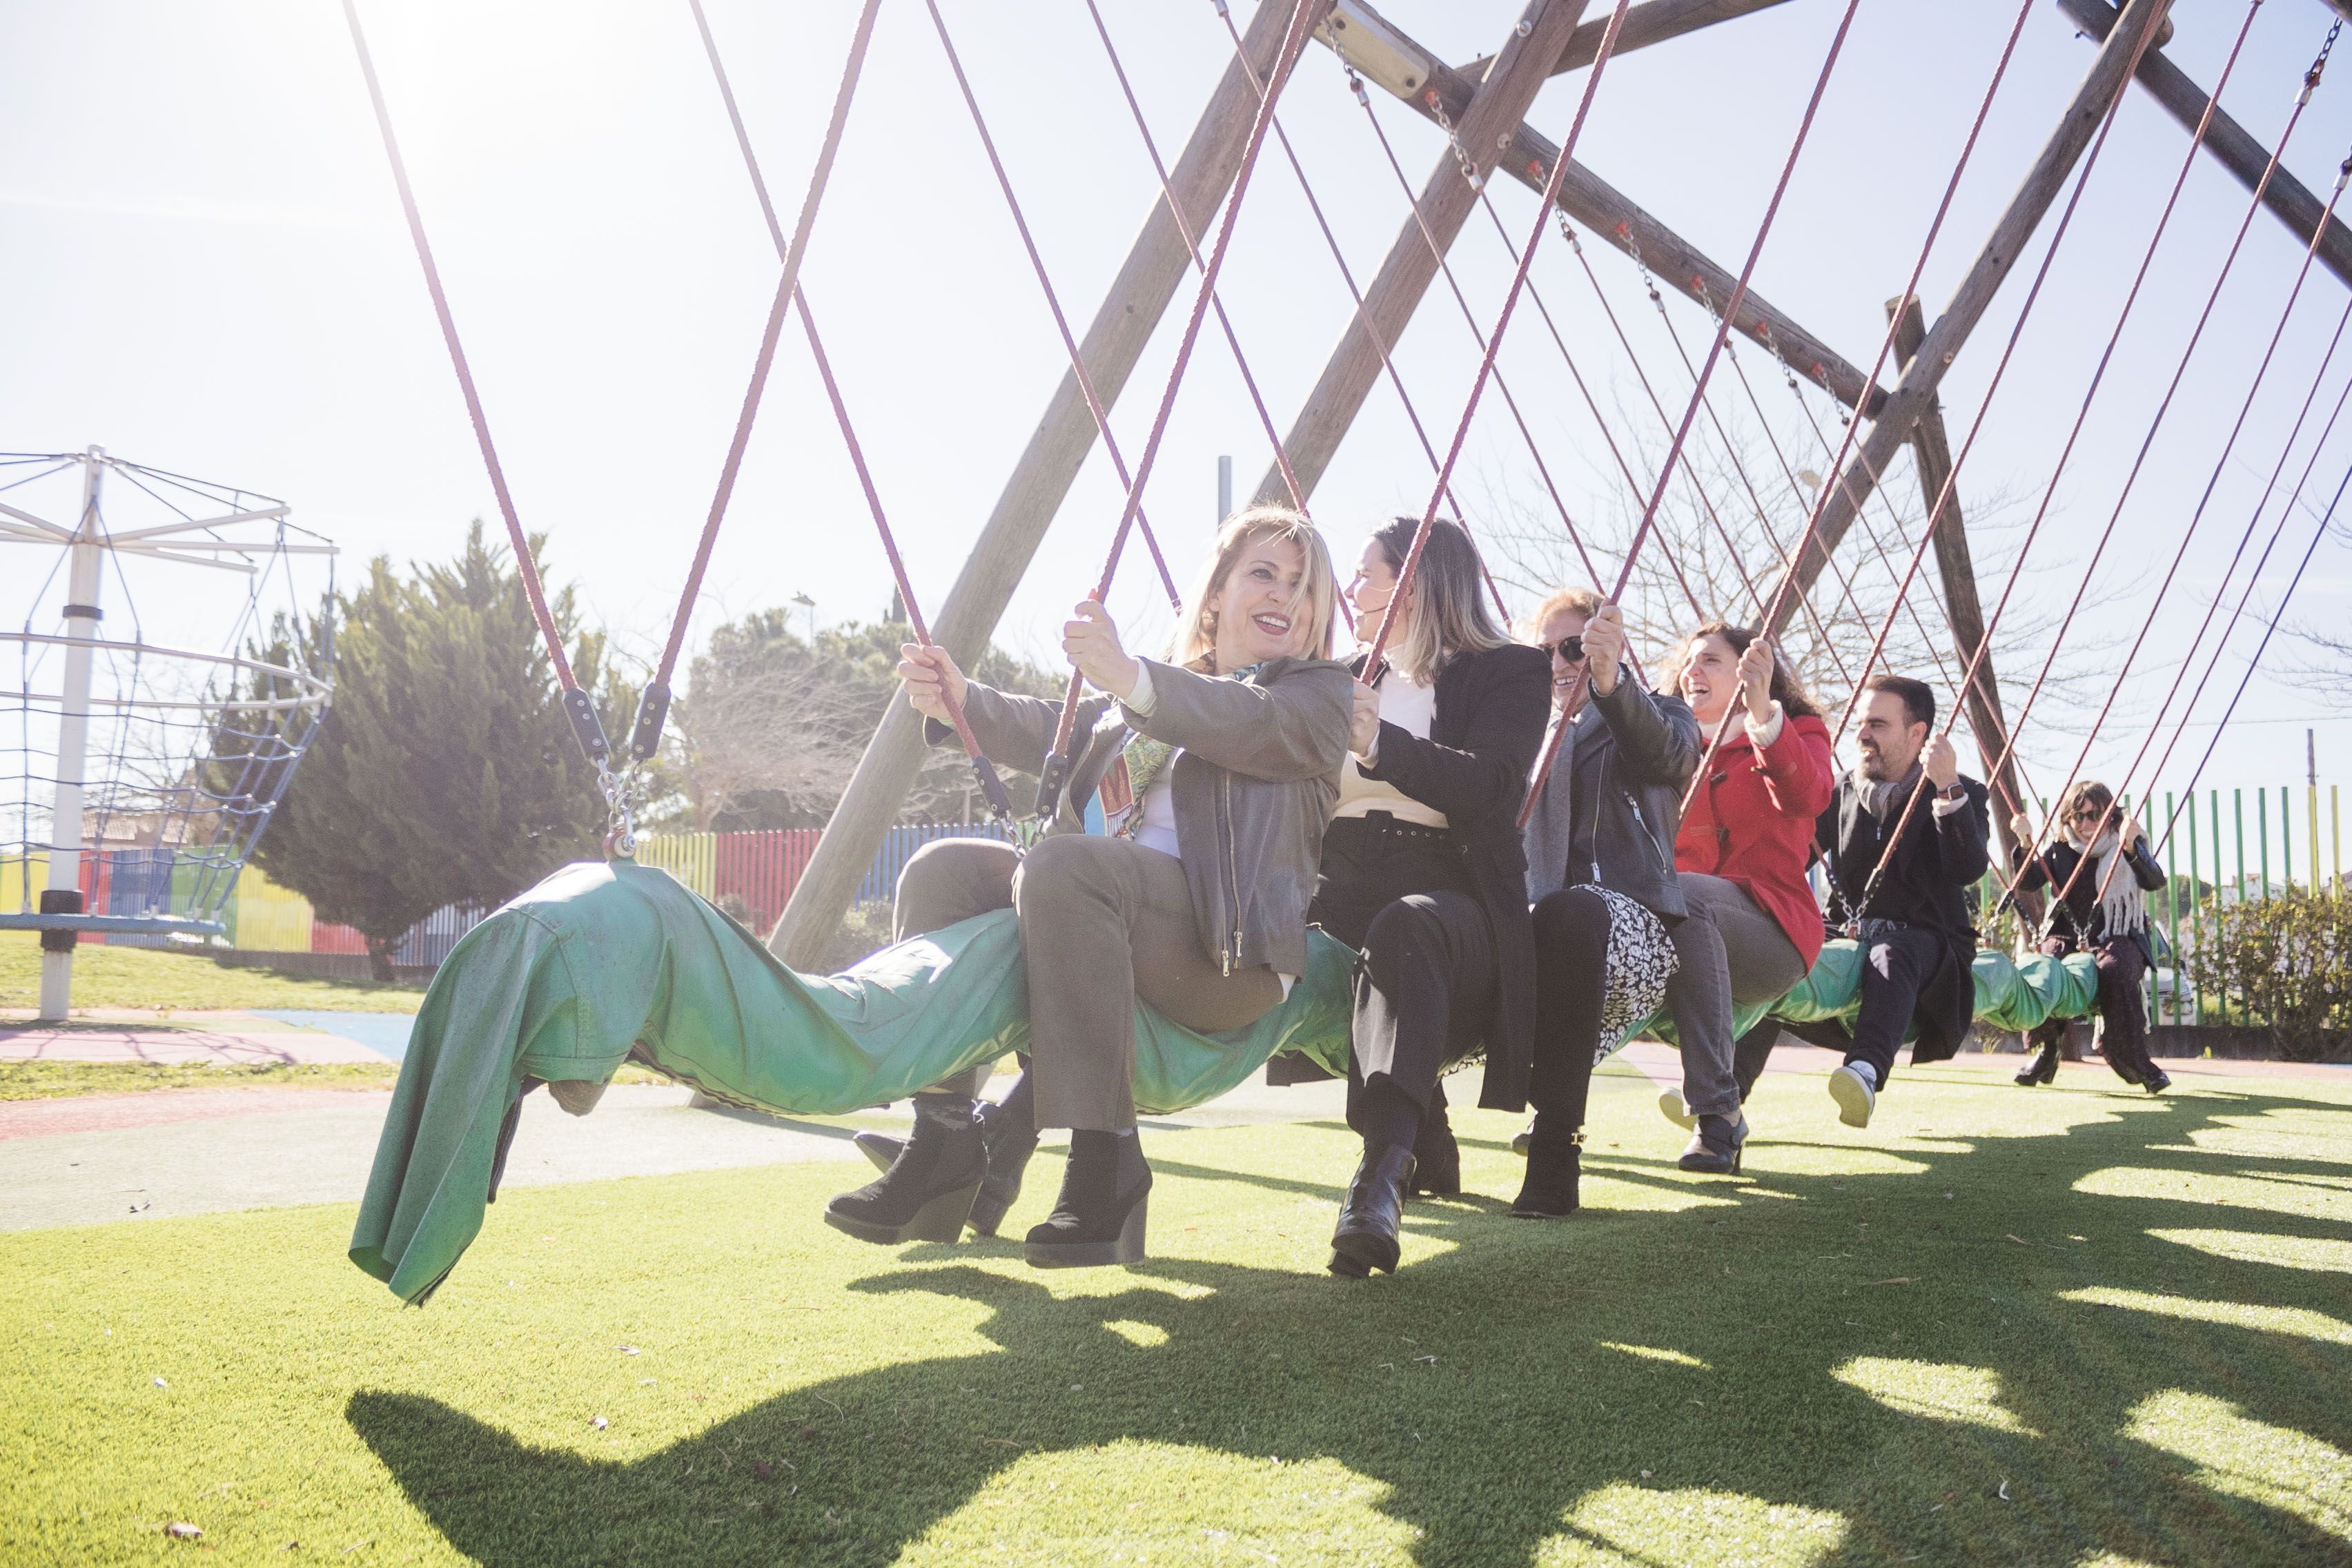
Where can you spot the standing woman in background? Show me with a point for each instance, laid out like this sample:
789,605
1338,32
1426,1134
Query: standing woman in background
1422,872
1601,869
1753,928
2106,911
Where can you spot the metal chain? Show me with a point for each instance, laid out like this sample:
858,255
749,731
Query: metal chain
621,838
1468,165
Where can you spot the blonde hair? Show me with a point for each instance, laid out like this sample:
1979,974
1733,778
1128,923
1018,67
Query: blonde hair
1585,602
1319,590
1447,613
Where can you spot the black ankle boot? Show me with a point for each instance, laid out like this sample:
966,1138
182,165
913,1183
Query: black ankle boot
2042,1069
928,1190
1555,1167
1366,1240
1009,1132
1717,1147
1436,1158
1098,1218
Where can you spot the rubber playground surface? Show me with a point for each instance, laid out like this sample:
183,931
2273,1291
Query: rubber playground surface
2072,1326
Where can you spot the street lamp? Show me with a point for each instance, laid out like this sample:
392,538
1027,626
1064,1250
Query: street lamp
809,605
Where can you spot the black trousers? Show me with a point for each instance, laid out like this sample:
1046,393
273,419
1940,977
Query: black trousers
1571,977
1897,966
1426,983
2122,1011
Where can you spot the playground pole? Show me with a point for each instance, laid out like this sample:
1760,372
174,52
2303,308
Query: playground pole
63,887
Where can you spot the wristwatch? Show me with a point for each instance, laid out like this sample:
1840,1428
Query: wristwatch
1955,791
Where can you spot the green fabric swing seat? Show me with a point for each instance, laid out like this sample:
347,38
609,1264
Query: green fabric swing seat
602,963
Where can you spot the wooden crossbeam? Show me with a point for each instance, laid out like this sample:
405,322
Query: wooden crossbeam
2289,199
1415,75
1653,22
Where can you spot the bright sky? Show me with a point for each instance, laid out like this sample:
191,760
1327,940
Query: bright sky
209,275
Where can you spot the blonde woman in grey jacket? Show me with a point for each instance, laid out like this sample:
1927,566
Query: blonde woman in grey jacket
1218,767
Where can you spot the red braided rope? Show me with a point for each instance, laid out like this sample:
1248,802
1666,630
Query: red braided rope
1984,643
1294,40
525,566
1053,300
1715,349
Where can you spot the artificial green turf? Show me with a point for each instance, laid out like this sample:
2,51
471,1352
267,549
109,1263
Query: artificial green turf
2068,1326
106,976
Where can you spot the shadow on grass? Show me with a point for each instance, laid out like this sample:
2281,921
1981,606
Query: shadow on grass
1609,1379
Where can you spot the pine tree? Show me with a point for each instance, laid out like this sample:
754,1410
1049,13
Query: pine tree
445,772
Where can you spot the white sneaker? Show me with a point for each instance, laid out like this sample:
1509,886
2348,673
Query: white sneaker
1854,1096
1671,1107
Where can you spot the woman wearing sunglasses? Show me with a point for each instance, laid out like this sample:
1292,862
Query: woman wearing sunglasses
1601,869
2104,910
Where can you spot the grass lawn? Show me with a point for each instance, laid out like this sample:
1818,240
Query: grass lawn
109,976
2065,1327
61,1080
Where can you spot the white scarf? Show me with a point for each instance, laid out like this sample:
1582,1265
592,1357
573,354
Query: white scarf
2122,903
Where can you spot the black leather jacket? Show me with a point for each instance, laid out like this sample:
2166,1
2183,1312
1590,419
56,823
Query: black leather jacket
1613,802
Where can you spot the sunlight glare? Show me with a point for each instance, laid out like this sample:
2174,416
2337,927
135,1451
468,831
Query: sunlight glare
1935,1390
2276,1466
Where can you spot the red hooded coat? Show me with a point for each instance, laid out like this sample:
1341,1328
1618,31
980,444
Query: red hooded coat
1751,823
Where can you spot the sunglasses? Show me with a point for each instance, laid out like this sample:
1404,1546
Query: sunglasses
1567,650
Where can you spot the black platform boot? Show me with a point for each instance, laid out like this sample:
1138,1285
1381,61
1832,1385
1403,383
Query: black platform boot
1555,1167
928,1190
1009,1132
1366,1240
1098,1218
1436,1157
2042,1069
1717,1147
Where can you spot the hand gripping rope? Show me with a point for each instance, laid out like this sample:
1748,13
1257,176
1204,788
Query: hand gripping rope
579,707
1707,368
1058,759
652,708
991,786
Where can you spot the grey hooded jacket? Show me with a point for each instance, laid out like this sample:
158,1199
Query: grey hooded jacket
1612,804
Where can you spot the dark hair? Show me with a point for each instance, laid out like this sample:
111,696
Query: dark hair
1786,690
1450,613
1918,701
2088,792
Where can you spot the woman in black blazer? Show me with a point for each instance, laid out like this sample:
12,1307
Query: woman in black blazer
1421,869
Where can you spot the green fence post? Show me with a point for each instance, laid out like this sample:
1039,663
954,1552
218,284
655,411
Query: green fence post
2263,838
2313,791
2195,903
2287,838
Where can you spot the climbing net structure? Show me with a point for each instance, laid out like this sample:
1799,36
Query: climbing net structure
1806,505
139,774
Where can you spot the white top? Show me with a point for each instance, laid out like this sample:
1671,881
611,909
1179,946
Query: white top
1412,708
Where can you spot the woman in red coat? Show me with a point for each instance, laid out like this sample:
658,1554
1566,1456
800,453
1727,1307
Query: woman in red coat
1753,930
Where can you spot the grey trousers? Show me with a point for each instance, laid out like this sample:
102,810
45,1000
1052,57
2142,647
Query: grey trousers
1731,952
1103,922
